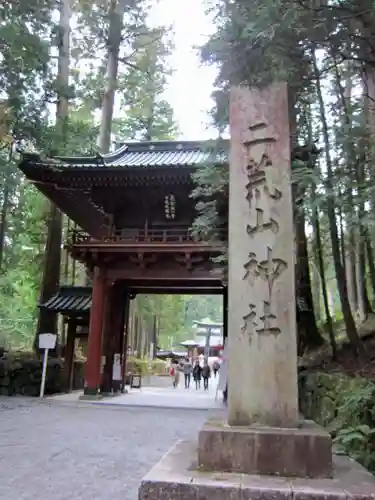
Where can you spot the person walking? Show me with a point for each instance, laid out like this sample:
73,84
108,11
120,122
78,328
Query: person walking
225,395
197,374
188,368
206,373
175,374
216,368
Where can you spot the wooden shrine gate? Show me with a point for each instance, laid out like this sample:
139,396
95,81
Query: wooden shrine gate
133,212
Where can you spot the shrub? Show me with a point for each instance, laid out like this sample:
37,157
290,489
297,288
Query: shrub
142,366
347,407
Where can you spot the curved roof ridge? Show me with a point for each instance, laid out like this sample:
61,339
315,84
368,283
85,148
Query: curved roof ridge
115,154
139,154
170,145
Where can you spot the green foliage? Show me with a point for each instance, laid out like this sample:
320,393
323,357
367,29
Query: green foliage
25,77
211,195
354,425
29,92
175,314
144,367
144,83
347,407
256,43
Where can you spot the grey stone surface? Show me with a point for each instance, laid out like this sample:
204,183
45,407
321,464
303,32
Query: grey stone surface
305,451
84,451
262,362
158,397
176,477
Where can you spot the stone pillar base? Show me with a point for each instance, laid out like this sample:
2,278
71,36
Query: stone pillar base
177,477
305,451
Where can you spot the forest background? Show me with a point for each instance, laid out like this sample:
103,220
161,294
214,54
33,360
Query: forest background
77,76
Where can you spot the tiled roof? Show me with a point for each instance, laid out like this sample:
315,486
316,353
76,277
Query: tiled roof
150,154
159,154
70,299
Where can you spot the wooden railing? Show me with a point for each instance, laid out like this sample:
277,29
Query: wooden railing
133,236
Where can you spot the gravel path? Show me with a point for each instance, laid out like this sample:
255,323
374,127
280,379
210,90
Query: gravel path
56,452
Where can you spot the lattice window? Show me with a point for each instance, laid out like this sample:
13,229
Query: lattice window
170,206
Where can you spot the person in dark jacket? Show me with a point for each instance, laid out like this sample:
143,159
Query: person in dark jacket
206,374
197,375
188,368
225,395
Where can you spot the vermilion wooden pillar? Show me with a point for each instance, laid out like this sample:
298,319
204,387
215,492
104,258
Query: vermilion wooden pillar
113,333
94,349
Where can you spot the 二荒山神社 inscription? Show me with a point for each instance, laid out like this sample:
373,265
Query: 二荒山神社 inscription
260,194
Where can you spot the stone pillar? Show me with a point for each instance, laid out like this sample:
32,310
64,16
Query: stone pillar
266,453
262,315
264,435
113,333
94,348
225,314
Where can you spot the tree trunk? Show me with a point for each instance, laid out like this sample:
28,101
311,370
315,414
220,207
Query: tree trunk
116,14
366,24
350,326
318,242
308,333
351,273
3,217
369,125
316,288
345,95
342,236
47,321
136,335
371,264
363,300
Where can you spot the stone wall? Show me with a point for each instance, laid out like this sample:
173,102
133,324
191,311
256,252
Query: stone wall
346,406
21,373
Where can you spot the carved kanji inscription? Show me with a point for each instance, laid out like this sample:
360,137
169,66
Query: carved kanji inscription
259,135
271,268
266,324
249,321
258,194
260,223
256,175
268,269
251,268
269,321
